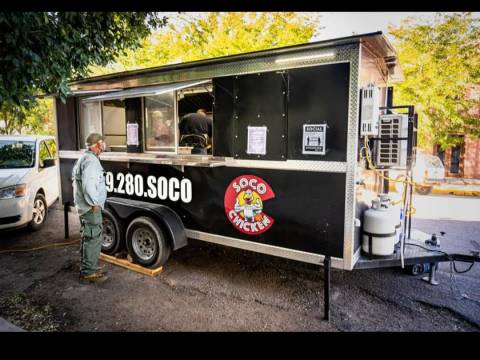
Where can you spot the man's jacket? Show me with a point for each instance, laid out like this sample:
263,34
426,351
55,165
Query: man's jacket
88,183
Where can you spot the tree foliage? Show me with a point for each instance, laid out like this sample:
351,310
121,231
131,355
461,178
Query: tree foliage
193,37
41,52
440,61
37,118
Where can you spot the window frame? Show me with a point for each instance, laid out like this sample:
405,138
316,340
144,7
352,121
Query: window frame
81,143
40,161
145,126
102,119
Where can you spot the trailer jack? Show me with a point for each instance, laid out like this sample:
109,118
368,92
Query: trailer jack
66,206
431,274
326,287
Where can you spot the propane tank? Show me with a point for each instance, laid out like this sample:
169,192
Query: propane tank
397,214
379,228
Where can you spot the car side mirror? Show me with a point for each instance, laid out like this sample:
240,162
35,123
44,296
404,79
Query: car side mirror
48,163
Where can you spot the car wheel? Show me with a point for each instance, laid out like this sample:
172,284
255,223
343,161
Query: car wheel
40,212
112,232
423,190
147,243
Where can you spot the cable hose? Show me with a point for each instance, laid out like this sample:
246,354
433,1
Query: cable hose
453,270
41,247
407,181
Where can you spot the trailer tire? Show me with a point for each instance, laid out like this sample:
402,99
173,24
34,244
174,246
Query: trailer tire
147,243
112,231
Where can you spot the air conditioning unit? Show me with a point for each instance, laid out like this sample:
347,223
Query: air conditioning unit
370,111
390,152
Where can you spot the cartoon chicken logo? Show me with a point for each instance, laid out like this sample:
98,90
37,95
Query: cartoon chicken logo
244,204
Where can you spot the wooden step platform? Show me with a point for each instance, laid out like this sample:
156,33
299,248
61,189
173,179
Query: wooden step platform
130,265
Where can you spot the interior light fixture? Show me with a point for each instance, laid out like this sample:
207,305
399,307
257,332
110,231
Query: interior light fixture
305,58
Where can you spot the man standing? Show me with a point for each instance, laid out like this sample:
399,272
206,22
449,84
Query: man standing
196,129
89,195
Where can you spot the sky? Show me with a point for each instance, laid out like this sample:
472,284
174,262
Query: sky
339,24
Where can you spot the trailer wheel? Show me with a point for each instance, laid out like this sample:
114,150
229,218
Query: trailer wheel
147,243
111,233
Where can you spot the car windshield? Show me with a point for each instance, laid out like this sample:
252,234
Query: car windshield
16,154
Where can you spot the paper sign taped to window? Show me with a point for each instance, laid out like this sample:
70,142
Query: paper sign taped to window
132,134
257,140
314,139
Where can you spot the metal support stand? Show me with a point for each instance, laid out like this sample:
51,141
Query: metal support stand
431,275
326,283
410,208
386,183
66,206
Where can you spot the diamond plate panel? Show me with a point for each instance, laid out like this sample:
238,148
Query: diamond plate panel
353,54
255,65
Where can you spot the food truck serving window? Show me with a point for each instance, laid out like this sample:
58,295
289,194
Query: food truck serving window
107,114
161,125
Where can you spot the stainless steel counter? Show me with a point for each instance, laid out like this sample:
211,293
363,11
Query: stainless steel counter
152,158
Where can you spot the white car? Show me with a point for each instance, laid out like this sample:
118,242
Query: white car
428,171
28,180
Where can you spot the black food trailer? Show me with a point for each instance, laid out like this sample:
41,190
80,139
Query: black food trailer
303,137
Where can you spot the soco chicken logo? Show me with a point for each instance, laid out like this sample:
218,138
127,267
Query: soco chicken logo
244,204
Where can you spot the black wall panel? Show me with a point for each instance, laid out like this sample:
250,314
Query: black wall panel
260,100
67,123
66,167
223,117
308,208
317,95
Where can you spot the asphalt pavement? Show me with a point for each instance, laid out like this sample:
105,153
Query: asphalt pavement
206,287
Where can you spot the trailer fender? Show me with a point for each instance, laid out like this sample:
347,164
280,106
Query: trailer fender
172,223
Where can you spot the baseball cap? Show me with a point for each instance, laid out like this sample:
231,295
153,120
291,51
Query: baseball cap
93,138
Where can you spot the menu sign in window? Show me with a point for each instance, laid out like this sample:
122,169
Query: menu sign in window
257,140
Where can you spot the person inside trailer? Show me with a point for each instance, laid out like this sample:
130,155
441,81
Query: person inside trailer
196,131
163,132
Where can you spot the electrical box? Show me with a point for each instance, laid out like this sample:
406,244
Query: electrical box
370,110
392,144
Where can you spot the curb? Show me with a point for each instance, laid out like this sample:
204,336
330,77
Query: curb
462,192
6,326
447,191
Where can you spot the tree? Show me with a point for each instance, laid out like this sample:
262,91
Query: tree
191,37
41,52
440,61
36,119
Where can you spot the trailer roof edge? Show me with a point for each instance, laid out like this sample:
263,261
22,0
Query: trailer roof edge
375,39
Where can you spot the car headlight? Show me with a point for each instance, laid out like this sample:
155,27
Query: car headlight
13,191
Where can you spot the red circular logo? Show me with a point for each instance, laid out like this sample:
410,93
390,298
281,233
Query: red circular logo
244,204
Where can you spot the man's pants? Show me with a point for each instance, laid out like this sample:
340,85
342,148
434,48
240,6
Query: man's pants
91,244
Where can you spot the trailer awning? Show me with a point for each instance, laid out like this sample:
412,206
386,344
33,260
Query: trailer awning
145,91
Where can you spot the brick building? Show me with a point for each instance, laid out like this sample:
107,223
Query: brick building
463,160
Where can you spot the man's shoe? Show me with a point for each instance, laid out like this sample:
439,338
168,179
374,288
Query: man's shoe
101,270
95,277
